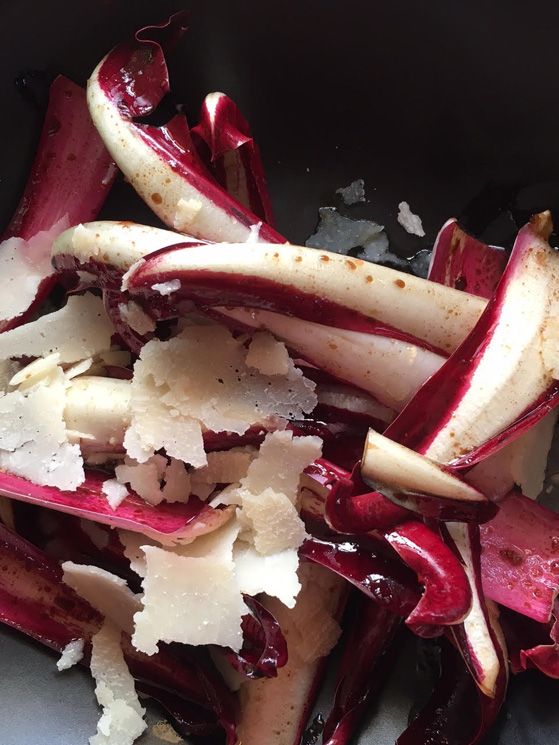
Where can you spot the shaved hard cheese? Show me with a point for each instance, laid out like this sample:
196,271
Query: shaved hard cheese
115,492
269,491
275,523
276,575
188,599
281,460
71,654
268,355
177,485
144,478
23,266
201,378
34,439
106,592
225,466
136,317
79,330
40,369
122,719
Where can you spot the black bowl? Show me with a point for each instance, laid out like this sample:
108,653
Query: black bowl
448,105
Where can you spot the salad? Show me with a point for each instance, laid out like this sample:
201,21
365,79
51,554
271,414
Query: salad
213,442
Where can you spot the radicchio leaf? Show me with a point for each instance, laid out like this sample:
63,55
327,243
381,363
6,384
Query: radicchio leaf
234,157
264,648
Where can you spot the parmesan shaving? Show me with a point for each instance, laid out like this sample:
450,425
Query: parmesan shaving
281,460
276,575
188,599
275,523
410,222
177,482
122,719
106,592
23,266
33,436
138,320
201,378
167,288
77,331
115,492
202,490
267,355
71,654
225,466
144,478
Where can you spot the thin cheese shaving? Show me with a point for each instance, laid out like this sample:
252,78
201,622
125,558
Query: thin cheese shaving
188,599
134,315
225,466
33,436
106,592
23,266
268,355
115,492
201,378
281,460
79,330
71,654
122,719
276,575
274,521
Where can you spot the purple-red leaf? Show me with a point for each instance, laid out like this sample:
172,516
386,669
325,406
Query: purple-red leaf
69,181
161,162
388,583
175,519
462,262
447,598
362,668
264,647
520,557
234,157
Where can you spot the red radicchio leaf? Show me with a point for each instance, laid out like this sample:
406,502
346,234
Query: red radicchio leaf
457,711
130,83
264,647
520,557
234,157
363,668
70,178
176,519
462,262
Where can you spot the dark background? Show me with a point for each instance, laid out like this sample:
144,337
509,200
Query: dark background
451,106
